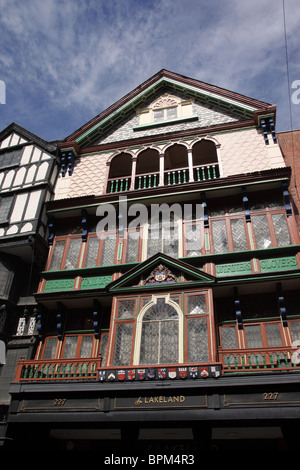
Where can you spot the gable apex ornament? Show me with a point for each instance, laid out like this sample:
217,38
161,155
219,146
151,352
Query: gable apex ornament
160,274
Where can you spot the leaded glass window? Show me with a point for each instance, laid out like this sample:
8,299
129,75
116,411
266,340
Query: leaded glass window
197,340
281,229
238,234
109,247
229,340
92,252
159,336
70,346
73,253
86,346
132,252
57,254
163,238
261,230
103,348
50,348
253,336
196,304
273,334
123,344
295,330
126,308
219,236
193,239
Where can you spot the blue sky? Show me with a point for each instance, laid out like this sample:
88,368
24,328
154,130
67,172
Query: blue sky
65,61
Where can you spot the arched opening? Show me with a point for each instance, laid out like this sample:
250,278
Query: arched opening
159,333
176,165
119,177
147,169
205,160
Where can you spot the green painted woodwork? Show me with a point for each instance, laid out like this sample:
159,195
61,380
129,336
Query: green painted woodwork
95,281
53,285
243,267
278,264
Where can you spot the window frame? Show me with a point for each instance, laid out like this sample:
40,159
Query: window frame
60,346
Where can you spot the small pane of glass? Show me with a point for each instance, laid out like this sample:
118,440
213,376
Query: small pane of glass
219,236
253,336
5,205
273,334
261,230
229,340
109,247
103,348
126,308
171,113
123,343
73,253
196,304
295,330
193,239
238,234
86,346
70,346
281,229
57,255
92,252
132,247
158,115
197,340
50,348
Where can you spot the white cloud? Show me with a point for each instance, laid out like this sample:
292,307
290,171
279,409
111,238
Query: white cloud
79,57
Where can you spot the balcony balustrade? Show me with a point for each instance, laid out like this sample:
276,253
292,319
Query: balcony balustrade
263,359
57,369
170,177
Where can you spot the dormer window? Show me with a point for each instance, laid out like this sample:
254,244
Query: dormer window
166,109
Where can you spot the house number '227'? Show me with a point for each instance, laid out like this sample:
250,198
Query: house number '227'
271,396
59,401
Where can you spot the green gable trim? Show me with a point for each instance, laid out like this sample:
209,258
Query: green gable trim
165,123
131,105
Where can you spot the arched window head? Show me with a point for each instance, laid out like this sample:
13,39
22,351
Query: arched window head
159,335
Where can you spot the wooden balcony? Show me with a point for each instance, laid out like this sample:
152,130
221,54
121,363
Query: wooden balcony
169,178
263,359
57,369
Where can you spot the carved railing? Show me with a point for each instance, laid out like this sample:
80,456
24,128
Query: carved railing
171,177
57,369
263,359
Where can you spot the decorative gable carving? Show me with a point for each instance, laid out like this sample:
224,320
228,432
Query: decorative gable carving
160,275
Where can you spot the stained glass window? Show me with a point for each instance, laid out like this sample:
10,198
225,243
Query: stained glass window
159,336
273,334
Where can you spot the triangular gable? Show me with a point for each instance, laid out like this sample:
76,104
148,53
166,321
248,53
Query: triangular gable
15,135
141,275
164,80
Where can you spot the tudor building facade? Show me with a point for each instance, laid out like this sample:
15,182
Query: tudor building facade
168,307
28,171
